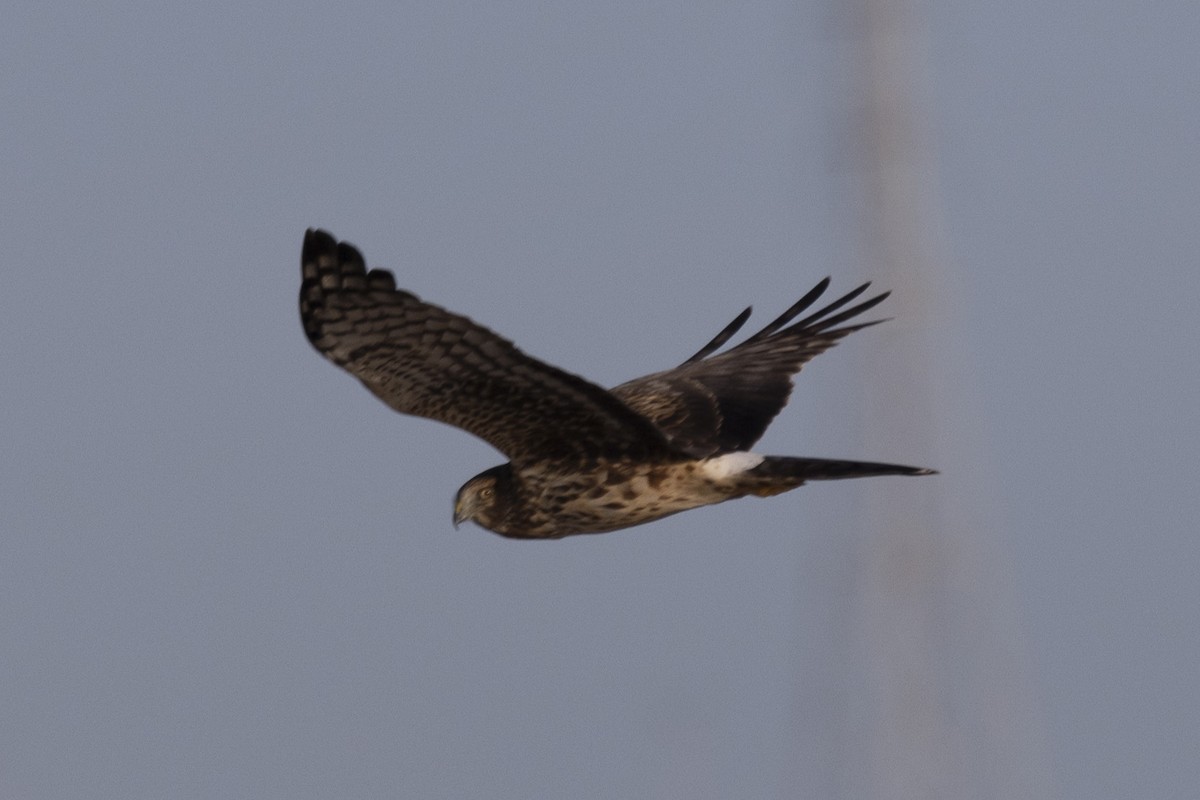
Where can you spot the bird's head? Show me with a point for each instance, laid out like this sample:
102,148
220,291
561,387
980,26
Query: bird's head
485,499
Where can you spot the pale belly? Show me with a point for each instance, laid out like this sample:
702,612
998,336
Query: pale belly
622,495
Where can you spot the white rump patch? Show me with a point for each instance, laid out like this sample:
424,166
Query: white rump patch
730,464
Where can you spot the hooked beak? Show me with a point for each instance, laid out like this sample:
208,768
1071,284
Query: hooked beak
461,514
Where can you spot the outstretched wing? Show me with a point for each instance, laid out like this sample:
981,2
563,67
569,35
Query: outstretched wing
719,403
421,359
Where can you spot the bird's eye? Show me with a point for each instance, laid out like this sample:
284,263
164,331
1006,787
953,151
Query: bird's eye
486,493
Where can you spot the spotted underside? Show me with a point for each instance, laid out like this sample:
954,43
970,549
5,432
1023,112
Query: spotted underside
583,459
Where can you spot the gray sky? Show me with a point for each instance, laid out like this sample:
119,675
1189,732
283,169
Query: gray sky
227,571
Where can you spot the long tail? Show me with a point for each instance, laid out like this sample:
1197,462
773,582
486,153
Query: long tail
778,474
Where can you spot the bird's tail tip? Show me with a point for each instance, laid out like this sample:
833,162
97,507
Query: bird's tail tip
783,472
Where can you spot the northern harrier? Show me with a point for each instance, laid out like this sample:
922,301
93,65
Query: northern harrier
583,459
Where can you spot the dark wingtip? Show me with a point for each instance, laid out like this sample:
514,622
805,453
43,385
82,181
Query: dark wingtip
316,241
318,235
721,338
787,316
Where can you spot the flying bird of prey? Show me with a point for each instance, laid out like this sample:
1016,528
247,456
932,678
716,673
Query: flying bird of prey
582,459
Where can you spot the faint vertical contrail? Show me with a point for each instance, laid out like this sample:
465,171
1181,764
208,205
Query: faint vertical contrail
938,703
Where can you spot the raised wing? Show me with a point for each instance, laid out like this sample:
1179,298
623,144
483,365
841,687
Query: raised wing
719,403
421,359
